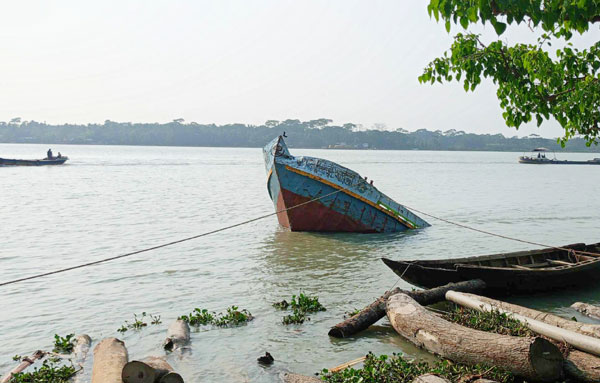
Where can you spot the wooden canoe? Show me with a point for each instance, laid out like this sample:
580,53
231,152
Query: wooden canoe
518,272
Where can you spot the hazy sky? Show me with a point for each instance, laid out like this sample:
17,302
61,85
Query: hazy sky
238,61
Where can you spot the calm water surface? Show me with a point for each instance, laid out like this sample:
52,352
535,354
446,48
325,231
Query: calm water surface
111,200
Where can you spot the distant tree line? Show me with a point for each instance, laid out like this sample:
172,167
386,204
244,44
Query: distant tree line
302,134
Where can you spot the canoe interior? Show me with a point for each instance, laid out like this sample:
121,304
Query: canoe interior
530,258
518,272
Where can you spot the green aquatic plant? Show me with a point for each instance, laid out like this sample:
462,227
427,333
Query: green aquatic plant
234,316
295,318
63,345
306,303
281,305
300,306
199,317
139,322
395,368
49,372
17,357
490,321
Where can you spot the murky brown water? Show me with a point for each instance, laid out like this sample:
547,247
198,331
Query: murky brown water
111,200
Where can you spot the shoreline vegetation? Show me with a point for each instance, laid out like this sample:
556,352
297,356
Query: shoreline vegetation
314,134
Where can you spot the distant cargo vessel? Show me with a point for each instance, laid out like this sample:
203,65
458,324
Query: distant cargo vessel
346,201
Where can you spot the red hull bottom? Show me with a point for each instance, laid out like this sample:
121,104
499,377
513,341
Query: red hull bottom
314,216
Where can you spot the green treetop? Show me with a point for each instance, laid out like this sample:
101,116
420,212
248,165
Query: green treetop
531,82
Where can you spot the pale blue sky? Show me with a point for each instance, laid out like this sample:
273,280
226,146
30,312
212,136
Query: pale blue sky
237,61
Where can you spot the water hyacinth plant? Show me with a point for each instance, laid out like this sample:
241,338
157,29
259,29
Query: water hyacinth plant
63,345
300,305
233,317
49,372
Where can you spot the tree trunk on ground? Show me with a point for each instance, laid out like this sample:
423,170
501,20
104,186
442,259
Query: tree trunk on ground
26,362
586,309
289,377
110,355
82,347
178,335
532,358
430,378
152,369
582,366
376,310
577,340
582,328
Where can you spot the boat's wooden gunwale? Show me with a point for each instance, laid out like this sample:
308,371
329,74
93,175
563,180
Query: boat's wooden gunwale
499,256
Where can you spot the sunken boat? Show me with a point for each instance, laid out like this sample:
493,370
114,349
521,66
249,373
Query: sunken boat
46,161
507,273
313,194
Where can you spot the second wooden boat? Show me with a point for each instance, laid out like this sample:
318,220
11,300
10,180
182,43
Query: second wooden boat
518,272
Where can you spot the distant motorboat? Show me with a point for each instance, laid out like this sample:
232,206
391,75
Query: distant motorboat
541,159
45,161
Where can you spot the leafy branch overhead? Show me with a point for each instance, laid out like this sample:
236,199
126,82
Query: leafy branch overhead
532,81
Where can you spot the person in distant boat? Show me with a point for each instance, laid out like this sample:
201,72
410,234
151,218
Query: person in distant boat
539,155
59,155
49,154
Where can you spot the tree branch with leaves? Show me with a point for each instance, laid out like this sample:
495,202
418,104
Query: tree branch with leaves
532,83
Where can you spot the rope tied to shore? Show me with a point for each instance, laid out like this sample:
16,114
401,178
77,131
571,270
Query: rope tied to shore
167,244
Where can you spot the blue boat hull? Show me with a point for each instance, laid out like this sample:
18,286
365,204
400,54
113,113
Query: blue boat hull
345,201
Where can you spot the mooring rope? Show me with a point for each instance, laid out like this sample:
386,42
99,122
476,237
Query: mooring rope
503,236
166,244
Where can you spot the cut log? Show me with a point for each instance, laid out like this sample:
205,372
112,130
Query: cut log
586,309
110,355
178,335
26,362
430,378
582,366
577,340
376,310
582,328
151,370
532,358
289,377
82,347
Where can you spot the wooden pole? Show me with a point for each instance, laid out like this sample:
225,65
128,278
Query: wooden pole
579,341
351,363
582,328
110,355
532,358
376,310
26,362
178,335
587,309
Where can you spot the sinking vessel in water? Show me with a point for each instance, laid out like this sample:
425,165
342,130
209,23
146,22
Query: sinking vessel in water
46,161
342,200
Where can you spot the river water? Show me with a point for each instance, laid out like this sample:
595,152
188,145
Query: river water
109,200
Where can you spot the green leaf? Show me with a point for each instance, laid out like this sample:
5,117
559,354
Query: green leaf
448,26
499,27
